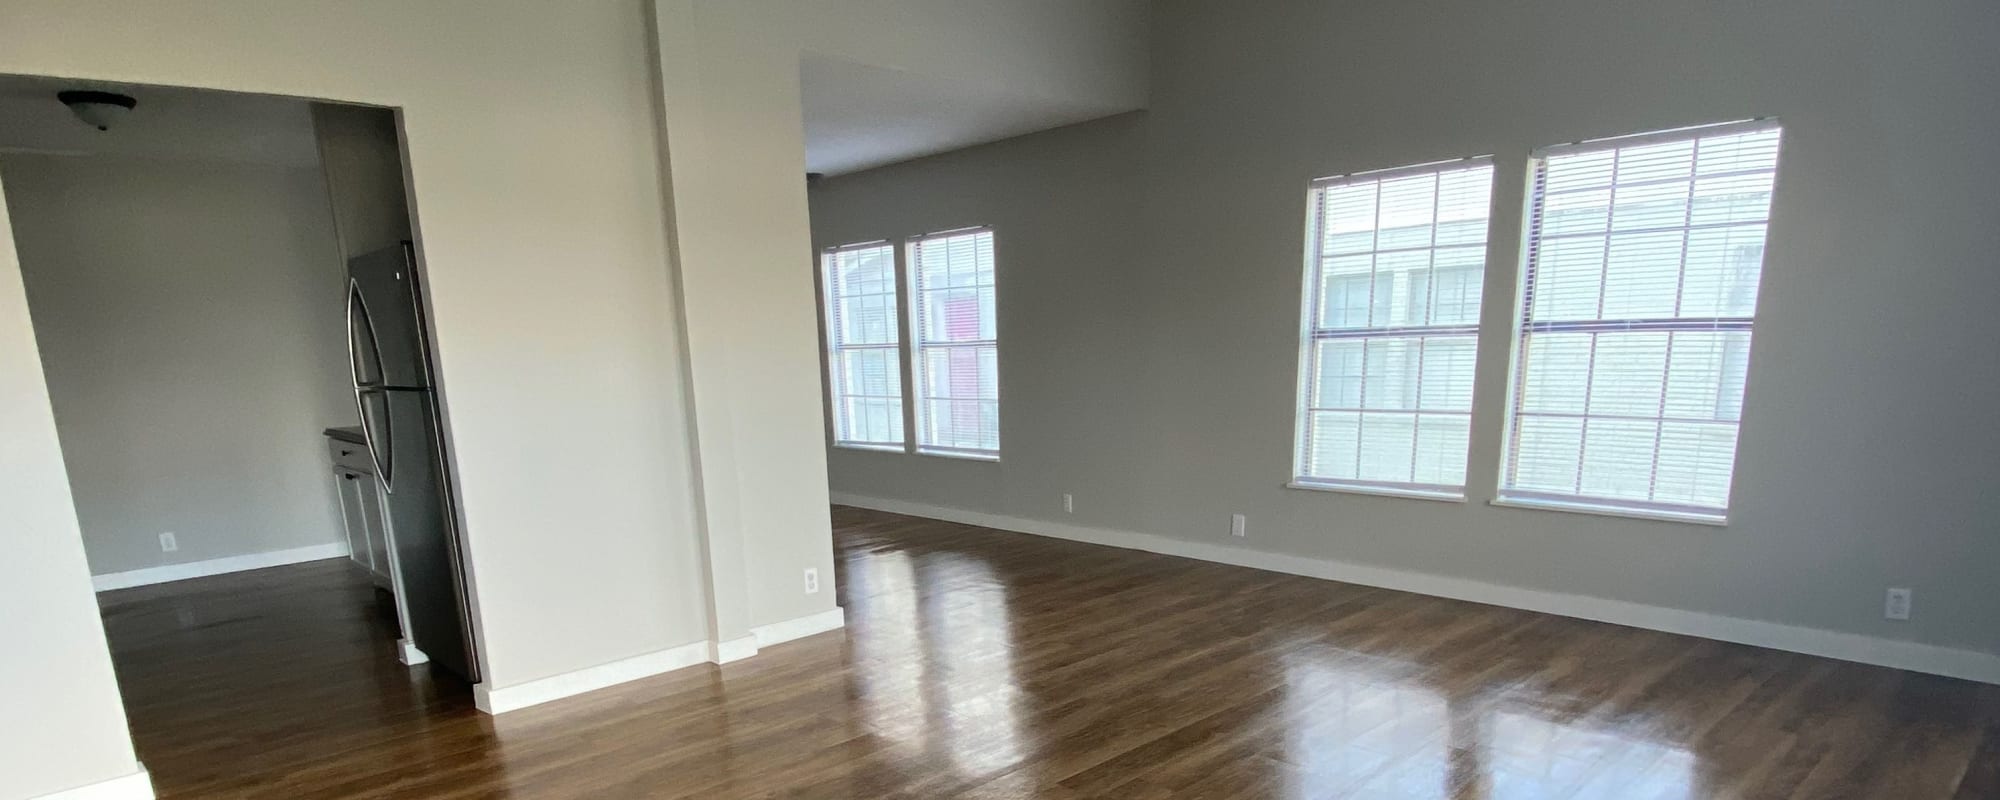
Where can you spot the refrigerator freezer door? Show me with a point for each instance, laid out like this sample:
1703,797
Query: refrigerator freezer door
384,320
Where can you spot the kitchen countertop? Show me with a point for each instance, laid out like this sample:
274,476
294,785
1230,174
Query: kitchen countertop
352,434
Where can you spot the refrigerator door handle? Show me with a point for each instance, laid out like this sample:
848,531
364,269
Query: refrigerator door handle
356,299
353,356
382,467
363,376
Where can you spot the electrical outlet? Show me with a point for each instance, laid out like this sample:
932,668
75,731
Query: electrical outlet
1897,604
1236,525
1069,504
812,580
167,542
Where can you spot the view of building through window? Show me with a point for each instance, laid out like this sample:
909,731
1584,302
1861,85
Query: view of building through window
1644,256
1394,271
957,370
864,345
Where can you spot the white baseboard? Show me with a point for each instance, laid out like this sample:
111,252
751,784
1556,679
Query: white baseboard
217,566
588,679
136,786
733,650
1917,657
776,633
828,620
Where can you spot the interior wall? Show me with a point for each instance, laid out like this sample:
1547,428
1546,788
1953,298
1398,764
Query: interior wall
66,725
361,153
730,93
535,177
1063,209
1867,454
188,319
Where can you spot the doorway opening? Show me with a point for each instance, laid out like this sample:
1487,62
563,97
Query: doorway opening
227,294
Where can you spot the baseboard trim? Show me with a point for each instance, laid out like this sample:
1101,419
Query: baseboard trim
217,566
588,679
829,620
1917,657
136,786
733,650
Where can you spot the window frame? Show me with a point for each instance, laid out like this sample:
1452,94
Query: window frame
914,369
1310,334
1520,323
831,349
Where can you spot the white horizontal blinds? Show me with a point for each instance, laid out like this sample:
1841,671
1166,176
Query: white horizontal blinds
1639,297
863,345
956,355
1395,263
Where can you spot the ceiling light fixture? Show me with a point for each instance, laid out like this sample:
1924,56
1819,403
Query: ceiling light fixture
97,109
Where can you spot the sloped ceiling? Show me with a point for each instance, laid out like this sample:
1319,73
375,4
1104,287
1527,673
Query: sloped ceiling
890,80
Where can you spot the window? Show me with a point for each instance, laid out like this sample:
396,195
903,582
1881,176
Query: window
1395,260
863,344
955,358
1637,303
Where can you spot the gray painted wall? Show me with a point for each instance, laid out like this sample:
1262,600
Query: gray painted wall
363,161
1150,277
189,320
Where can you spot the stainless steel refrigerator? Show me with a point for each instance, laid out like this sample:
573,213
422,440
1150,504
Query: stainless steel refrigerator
389,349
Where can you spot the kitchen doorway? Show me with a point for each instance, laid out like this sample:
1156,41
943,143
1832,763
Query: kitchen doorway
227,296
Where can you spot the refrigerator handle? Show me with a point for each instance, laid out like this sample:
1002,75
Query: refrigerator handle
374,449
354,299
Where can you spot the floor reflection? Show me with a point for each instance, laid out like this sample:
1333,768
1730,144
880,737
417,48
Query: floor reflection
1358,723
980,665
1368,727
1527,757
940,686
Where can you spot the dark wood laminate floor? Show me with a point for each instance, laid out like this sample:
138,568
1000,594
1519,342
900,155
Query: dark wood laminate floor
981,664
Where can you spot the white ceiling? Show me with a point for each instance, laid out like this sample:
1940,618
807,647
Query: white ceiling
169,122
859,116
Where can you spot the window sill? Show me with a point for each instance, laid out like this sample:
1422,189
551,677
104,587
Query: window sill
963,455
1611,511
1380,491
870,447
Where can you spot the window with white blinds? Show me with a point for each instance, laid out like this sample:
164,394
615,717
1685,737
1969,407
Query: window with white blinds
863,342
955,357
1395,262
1637,306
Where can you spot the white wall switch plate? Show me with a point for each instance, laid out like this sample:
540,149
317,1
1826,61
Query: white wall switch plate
167,542
812,580
1236,525
1896,605
1069,504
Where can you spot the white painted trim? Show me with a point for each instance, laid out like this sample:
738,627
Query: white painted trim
136,786
1914,656
217,566
407,652
1609,511
733,650
829,620
1377,491
588,679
